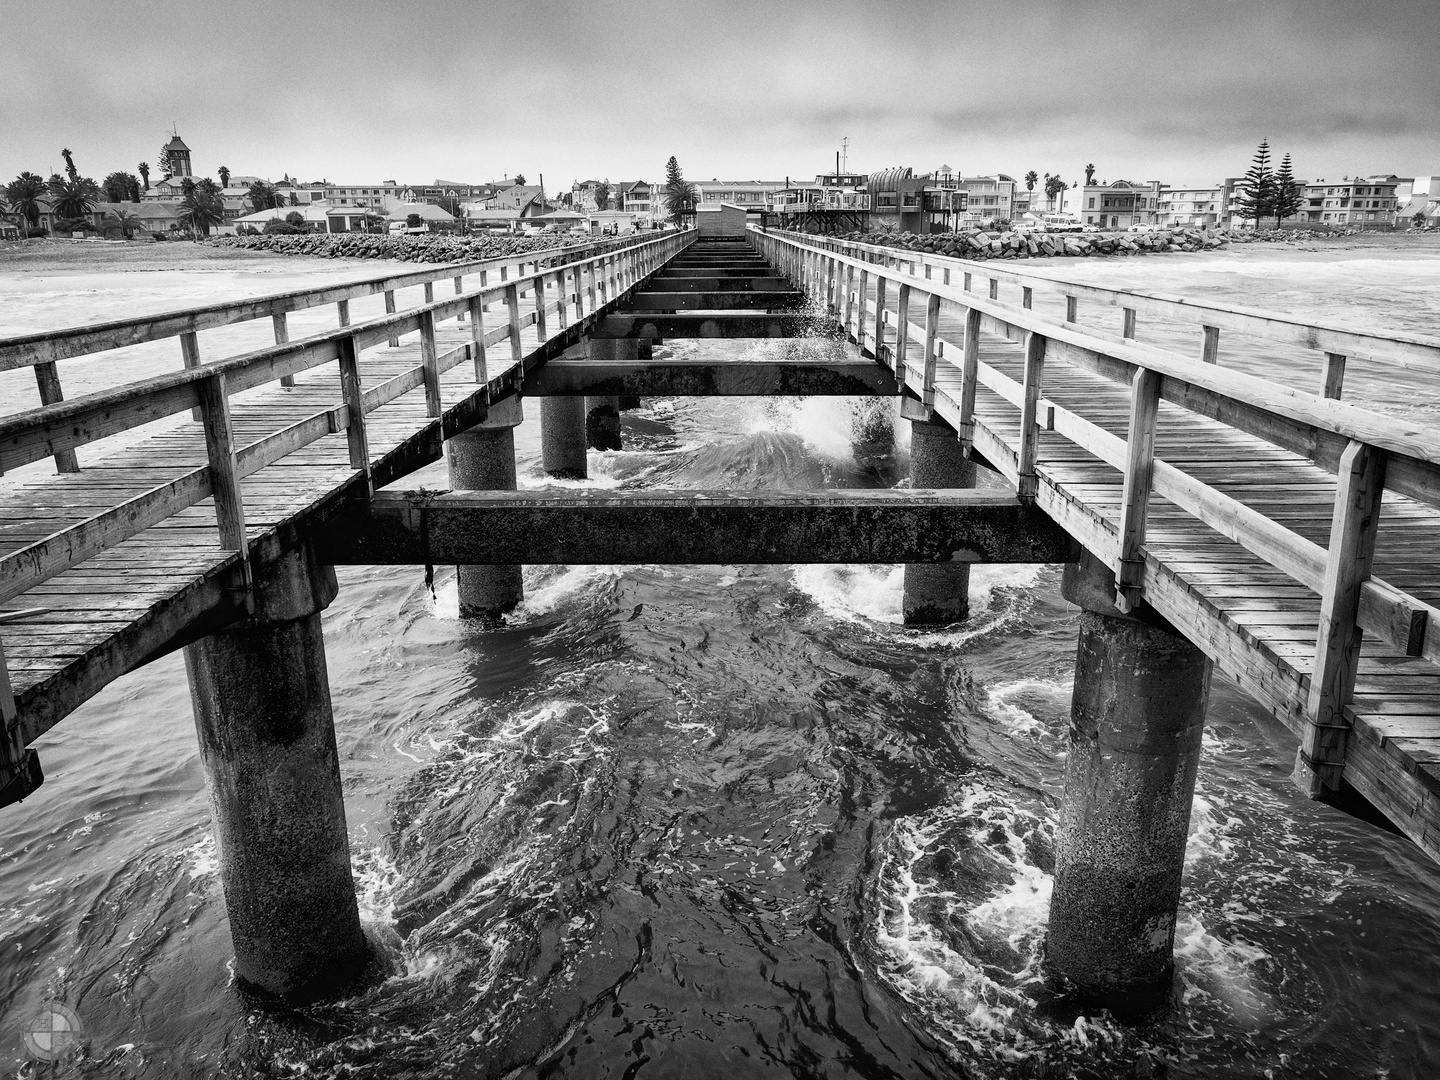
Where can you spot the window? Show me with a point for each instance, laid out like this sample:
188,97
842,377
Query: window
1092,205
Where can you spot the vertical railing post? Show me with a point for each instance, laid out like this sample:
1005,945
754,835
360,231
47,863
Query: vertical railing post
590,285
429,361
459,288
1028,480
538,284
352,393
1135,502
1334,379
1210,351
477,339
932,329
994,288
969,379
965,281
880,283
483,277
429,292
342,312
189,356
849,294
390,310
1072,303
902,333
1353,525
224,477
282,336
863,300
1127,328
561,306
47,381
512,306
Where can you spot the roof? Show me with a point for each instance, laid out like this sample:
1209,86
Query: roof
889,179
426,212
310,212
176,144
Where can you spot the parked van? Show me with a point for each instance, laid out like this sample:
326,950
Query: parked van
1062,223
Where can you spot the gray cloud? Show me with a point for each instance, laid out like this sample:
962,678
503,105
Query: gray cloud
364,90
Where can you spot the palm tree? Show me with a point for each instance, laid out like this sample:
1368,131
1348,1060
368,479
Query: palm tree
224,173
262,196
127,223
145,173
73,198
200,212
1031,180
1089,175
24,194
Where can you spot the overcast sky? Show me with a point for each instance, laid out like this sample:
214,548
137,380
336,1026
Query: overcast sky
368,91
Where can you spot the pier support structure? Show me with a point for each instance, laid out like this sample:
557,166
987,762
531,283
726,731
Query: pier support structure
602,414
482,458
267,740
936,594
1136,720
562,437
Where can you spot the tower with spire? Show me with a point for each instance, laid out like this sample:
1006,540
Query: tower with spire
178,155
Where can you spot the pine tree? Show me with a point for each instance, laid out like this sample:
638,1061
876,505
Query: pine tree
163,162
679,193
1257,189
1289,196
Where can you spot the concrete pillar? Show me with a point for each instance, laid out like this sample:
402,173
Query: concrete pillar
602,423
1136,719
937,593
482,458
267,740
562,437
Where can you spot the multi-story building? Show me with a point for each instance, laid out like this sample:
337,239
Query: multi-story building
749,194
988,197
1369,202
917,204
1419,200
1116,205
1193,206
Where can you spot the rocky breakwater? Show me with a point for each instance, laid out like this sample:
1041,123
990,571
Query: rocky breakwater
423,249
1024,244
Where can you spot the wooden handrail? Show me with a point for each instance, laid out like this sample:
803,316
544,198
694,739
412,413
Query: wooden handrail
1289,418
42,432
39,432
47,346
1405,350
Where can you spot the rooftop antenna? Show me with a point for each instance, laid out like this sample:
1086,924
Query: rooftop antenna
845,154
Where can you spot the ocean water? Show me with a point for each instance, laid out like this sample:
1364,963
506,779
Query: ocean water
731,820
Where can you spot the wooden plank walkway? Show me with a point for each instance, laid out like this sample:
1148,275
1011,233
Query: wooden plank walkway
148,590
1249,613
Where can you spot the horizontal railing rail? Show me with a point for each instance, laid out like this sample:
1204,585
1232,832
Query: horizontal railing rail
1338,343
1367,452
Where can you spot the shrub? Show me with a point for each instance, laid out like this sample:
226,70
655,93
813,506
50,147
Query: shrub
35,234
295,218
276,227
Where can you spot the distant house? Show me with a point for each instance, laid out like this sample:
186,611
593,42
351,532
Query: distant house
507,208
1114,206
432,216
720,219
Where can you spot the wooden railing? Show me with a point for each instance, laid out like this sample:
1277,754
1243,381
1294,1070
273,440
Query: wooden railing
581,288
1368,452
41,350
1337,344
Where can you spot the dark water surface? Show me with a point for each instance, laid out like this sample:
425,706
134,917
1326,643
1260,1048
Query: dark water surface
708,821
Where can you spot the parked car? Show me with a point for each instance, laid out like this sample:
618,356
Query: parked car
1142,227
1090,228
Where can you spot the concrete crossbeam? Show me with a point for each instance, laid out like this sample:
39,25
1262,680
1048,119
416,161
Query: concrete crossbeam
703,378
718,325
691,527
729,300
667,282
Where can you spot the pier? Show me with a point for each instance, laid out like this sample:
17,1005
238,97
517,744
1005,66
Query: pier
1207,519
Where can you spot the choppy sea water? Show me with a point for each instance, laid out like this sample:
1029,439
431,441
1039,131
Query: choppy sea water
694,821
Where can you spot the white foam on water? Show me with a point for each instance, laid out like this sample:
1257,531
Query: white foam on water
1208,965
203,857
872,595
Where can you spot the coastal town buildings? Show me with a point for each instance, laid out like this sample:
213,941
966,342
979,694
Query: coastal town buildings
935,202
1419,199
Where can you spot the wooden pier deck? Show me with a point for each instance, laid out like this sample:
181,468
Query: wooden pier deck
1216,491
105,568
